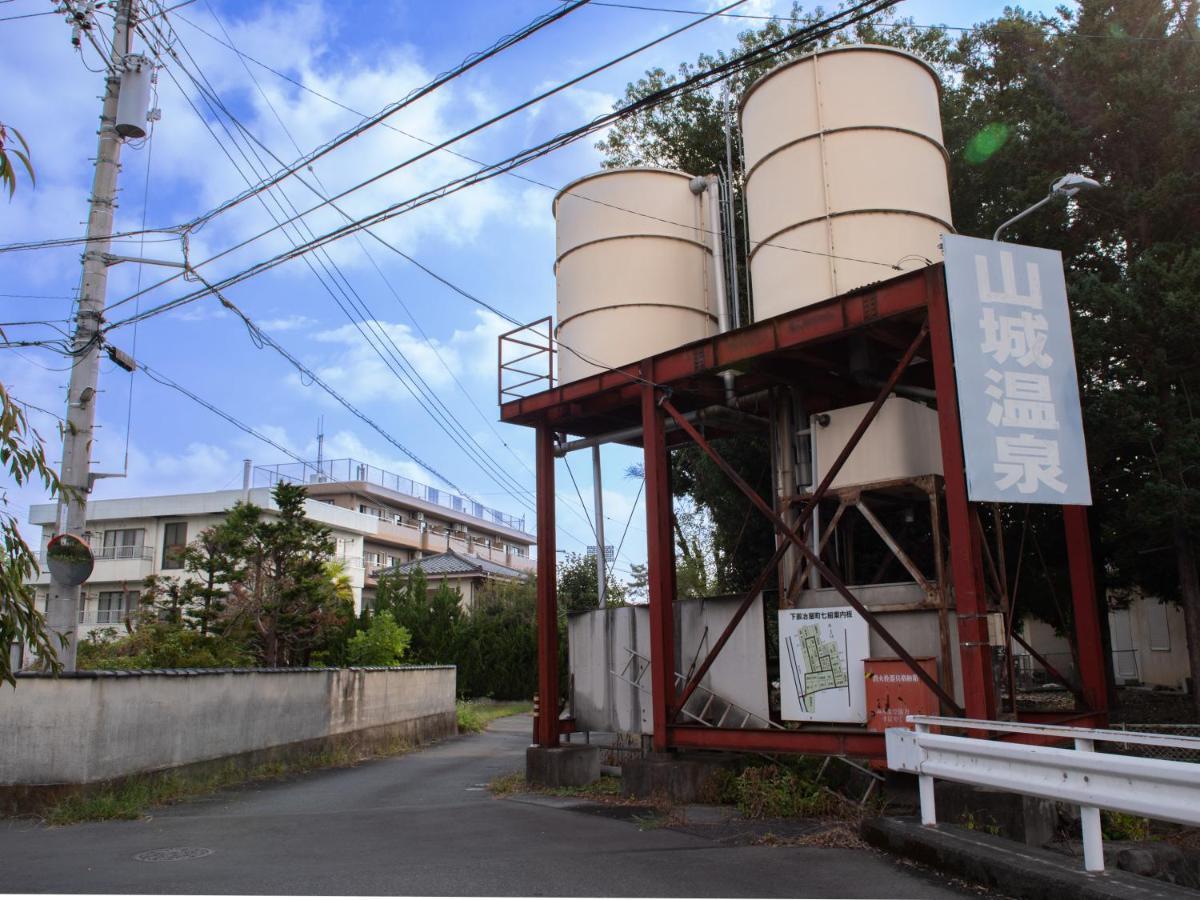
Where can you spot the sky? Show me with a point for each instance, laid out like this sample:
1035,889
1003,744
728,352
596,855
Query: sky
494,240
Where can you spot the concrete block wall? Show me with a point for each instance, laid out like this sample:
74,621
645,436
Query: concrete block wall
103,726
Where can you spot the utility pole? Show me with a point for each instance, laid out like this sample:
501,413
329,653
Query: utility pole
62,606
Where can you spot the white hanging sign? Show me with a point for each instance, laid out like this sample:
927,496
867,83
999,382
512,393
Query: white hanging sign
1014,363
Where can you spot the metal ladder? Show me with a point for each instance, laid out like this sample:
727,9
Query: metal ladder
641,665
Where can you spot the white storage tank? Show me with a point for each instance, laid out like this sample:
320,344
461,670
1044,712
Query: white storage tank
844,159
633,268
901,442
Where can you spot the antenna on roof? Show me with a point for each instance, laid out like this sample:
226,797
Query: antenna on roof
320,442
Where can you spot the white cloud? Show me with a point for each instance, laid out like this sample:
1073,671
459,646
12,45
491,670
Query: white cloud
287,323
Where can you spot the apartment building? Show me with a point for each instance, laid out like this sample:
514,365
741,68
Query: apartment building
413,519
376,524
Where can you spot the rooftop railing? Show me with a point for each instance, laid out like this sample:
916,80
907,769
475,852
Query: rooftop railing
332,470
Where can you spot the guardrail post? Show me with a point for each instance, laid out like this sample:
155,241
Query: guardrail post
925,788
1089,819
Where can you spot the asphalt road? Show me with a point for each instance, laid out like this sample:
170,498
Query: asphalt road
423,824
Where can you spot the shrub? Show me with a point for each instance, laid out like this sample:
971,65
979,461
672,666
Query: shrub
160,645
382,644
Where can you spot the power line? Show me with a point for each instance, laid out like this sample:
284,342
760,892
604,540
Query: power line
965,29
696,82
444,190
237,423
517,175
387,282
465,66
439,412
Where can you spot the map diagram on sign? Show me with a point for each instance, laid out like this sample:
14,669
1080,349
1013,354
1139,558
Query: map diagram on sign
821,653
817,665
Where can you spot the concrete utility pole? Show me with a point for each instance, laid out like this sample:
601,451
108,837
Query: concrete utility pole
62,606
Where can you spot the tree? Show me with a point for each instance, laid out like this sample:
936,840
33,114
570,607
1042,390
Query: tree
431,617
382,644
497,650
24,457
1039,96
285,593
1108,89
579,585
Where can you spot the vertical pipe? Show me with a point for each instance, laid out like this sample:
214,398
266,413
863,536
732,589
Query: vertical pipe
1089,818
660,559
718,258
730,217
247,475
966,563
601,561
547,591
1092,677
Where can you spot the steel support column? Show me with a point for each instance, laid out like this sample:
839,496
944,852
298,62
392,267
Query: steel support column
660,561
547,592
966,562
1083,598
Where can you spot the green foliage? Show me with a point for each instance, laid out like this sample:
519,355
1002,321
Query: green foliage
1119,826
381,644
497,644
160,645
474,715
24,459
134,796
283,593
1027,98
579,585
254,591
774,791
8,172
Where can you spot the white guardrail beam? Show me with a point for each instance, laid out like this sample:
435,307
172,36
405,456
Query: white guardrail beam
1155,788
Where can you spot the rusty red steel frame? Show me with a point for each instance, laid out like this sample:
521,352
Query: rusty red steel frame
800,534
827,573
613,399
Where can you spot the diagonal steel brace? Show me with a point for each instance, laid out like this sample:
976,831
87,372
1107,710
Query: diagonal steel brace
826,572
805,515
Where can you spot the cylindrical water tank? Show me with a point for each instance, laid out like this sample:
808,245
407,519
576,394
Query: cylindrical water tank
633,268
133,101
846,174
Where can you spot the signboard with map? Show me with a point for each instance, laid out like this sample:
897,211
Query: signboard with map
821,653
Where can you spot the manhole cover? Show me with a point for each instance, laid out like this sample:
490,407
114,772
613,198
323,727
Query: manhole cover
170,854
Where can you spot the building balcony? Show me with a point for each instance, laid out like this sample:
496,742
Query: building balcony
350,470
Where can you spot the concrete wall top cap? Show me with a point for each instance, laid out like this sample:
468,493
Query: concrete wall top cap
618,170
842,48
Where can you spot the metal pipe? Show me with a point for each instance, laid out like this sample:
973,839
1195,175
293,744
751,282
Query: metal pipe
731,243
718,258
598,495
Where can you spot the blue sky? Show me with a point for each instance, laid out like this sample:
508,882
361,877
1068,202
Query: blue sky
496,240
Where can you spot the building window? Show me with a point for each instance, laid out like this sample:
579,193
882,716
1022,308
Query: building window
112,605
371,511
174,543
123,543
1160,628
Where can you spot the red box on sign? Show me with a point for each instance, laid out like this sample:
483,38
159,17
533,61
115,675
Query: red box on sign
894,691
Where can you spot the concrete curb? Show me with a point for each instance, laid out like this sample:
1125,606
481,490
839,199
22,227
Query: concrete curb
1011,868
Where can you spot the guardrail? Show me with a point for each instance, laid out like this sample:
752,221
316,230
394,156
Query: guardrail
1155,788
